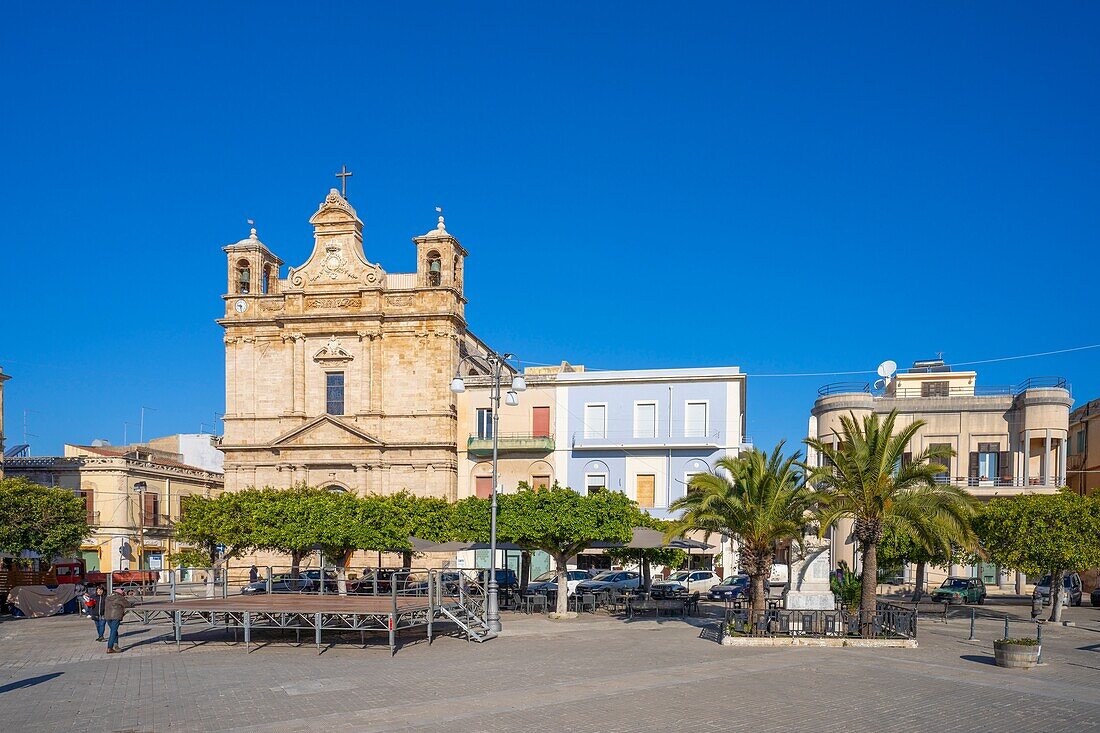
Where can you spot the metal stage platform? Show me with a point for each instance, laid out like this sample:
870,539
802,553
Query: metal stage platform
408,605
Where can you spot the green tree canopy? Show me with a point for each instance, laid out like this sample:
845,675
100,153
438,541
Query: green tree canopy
556,520
1042,533
51,522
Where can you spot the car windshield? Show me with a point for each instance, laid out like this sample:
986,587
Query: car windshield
605,575
955,583
736,580
548,575
679,576
577,575
1067,581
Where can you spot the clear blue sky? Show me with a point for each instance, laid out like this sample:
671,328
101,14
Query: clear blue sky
799,188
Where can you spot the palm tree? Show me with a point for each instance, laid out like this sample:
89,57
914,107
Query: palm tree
761,499
866,477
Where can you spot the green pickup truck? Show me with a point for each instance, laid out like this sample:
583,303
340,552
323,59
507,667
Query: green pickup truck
960,590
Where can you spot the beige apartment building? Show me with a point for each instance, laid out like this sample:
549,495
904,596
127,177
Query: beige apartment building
132,494
337,375
1007,440
526,446
1083,473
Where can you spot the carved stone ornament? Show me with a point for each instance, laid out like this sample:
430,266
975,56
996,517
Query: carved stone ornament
334,266
345,302
333,353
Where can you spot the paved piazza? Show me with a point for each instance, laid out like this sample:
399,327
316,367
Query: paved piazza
595,674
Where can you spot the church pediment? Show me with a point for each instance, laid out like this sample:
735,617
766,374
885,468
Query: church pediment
324,431
333,354
338,260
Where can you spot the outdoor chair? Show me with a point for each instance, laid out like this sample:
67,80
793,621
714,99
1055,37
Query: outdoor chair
691,605
534,601
583,601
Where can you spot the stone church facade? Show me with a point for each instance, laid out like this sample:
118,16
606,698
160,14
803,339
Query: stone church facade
337,375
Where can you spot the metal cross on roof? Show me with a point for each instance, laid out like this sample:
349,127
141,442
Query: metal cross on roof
343,176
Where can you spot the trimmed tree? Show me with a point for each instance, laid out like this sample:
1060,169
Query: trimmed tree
1043,533
668,556
761,499
48,521
898,548
416,516
869,477
557,520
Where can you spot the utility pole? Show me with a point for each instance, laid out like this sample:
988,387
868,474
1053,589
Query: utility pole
141,434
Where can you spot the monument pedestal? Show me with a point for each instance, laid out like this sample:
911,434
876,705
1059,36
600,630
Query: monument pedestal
810,581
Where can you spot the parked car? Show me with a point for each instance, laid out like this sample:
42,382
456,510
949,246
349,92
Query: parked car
684,582
610,580
734,586
960,590
308,581
506,577
1071,593
548,581
1095,597
382,579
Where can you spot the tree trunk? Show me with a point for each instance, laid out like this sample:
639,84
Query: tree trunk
647,574
1057,578
342,560
918,592
406,559
295,568
868,600
524,570
562,604
757,593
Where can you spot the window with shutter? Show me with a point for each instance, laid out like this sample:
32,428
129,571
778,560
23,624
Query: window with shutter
935,389
645,420
695,419
484,486
1005,461
540,422
944,461
150,500
595,421
972,469
89,506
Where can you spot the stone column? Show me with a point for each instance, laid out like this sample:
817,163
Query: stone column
288,373
1020,580
1062,460
376,373
299,374
230,377
1002,578
1027,458
1046,459
363,471
366,357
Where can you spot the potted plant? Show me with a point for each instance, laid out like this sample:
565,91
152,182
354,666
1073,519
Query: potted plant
1022,653
847,587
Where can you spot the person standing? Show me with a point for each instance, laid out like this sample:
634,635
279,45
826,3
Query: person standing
114,608
96,608
253,574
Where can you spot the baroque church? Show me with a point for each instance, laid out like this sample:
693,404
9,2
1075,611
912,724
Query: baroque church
337,375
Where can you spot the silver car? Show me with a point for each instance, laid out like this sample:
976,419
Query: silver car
610,580
1071,589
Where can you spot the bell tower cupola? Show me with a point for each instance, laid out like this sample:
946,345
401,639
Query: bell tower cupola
253,269
439,259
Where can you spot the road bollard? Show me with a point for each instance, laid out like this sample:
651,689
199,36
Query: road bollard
1006,627
972,637
1039,642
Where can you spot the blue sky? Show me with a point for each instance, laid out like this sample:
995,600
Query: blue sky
793,188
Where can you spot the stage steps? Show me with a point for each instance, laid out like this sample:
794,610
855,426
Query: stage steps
468,620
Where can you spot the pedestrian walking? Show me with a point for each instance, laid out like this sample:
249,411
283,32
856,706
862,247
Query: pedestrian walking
96,606
114,608
253,574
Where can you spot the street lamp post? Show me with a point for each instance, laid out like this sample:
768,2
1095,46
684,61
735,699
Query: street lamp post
496,365
141,488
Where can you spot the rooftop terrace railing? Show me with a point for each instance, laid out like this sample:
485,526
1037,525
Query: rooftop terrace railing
922,391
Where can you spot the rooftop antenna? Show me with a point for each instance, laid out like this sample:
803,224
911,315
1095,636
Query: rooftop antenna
125,432
141,433
885,370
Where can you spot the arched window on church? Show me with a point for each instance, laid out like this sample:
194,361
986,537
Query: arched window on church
244,275
454,271
266,285
435,269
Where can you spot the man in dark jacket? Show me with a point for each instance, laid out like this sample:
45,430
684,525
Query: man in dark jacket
96,609
114,609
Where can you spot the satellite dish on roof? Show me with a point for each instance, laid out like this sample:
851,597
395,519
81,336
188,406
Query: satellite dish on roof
887,368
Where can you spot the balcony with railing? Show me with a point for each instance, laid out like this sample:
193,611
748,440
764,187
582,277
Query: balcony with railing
477,445
942,389
595,440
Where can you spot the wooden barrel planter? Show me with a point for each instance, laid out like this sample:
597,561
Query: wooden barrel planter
1014,655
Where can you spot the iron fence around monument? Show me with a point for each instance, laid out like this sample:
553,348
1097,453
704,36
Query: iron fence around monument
887,621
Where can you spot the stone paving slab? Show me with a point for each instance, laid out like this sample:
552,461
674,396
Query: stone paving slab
592,674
